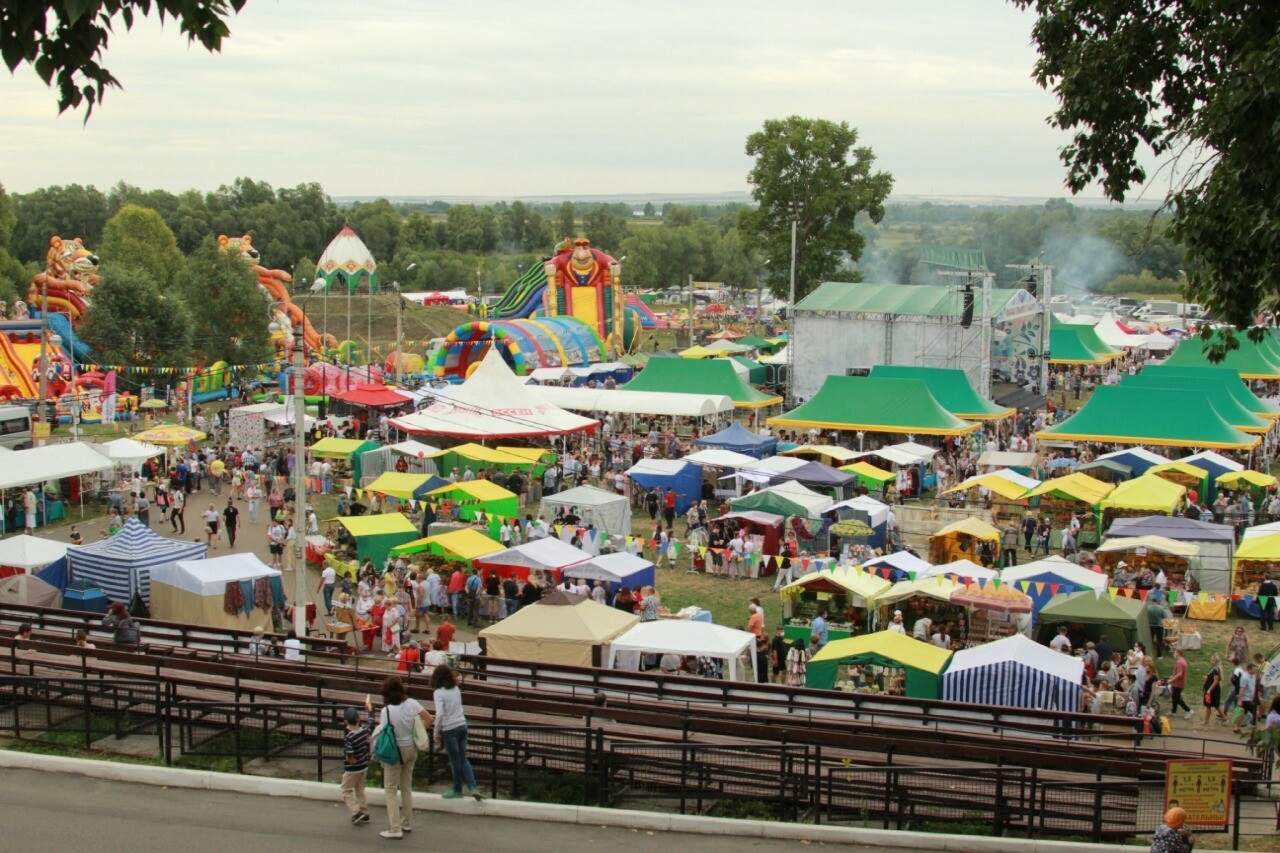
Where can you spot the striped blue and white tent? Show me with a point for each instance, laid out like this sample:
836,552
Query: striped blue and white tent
1014,673
122,564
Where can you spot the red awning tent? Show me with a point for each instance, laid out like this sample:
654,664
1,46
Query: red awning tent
757,523
436,298
374,396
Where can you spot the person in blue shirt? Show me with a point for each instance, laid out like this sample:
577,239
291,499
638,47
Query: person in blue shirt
819,628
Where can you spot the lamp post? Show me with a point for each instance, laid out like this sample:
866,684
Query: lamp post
300,467
42,410
791,317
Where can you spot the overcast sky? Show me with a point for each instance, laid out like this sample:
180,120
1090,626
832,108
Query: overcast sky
480,98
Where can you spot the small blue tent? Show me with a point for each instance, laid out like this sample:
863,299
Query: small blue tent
741,440
683,478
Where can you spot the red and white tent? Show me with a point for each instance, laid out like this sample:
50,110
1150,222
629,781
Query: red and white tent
493,403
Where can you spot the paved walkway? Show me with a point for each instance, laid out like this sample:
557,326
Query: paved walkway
60,812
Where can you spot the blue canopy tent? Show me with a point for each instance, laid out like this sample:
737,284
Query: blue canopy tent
55,574
122,565
684,478
819,477
618,570
741,440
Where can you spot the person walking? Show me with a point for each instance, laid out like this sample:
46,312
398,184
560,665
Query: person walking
178,506
451,731
1213,690
1267,592
231,521
1178,683
210,526
355,760
398,714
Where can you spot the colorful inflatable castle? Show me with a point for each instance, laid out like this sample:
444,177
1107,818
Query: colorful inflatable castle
525,345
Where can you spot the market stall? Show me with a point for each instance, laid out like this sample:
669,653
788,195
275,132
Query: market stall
762,529
849,596
405,486
964,539
1014,673
236,591
995,610
462,545
1042,579
1258,557
469,499
883,662
683,478
609,512
925,598
876,479
562,628
1191,477
22,554
1177,560
1141,496
684,637
548,555
898,566
1076,494
1217,543
344,455
376,535
617,570
122,565
1088,616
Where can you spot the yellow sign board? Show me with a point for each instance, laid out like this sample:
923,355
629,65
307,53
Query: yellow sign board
1202,788
41,430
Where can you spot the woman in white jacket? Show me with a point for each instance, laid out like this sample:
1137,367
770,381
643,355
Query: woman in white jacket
451,731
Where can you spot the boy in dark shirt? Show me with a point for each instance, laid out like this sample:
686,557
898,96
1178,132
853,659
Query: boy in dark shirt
355,760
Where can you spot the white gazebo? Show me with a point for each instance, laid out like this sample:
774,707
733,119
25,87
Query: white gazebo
685,637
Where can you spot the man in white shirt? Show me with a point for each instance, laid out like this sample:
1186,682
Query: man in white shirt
1061,643
328,580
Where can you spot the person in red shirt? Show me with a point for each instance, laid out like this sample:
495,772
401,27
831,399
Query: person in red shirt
375,616
409,657
457,583
1177,682
444,634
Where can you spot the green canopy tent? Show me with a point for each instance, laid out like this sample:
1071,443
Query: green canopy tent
1223,376
349,449
869,404
376,535
1131,415
700,376
923,663
1250,360
1123,620
950,388
769,347
757,373
1067,346
1219,396
1088,336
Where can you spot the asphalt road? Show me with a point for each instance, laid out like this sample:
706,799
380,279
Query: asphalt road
60,812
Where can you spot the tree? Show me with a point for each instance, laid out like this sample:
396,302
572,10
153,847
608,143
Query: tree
567,223
63,40
132,322
70,211
137,238
649,211
13,275
378,224
809,171
1194,84
227,307
417,233
605,229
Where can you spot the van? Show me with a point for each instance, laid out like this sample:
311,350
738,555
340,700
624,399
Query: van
15,427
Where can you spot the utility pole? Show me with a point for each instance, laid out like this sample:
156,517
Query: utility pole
791,318
299,483
41,408
395,285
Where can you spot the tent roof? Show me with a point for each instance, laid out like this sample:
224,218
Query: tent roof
136,542
926,300
613,568
861,583
1054,566
30,591
810,503
374,525
1253,478
1007,459
628,402
1006,483
1211,460
1264,547
1107,417
660,467
755,517
51,462
128,451
1067,346
373,394
950,388
584,496
342,448
413,448
729,347
1180,466
719,458
975,527
823,451
399,485
169,434
1146,492
1130,455
1174,527
493,402
965,569
878,510
887,644
467,543
1214,389
868,404
902,560
736,437
210,577
712,376
574,619
495,455
1151,543
938,587
1086,605
1250,360
30,552
865,469
1076,487
544,554
1019,649
685,637
1227,377
481,490
816,473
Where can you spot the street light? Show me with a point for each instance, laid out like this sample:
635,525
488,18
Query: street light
300,466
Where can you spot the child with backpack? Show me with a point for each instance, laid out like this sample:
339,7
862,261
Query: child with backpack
355,761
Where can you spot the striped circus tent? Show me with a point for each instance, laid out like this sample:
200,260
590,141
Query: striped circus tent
1014,673
122,564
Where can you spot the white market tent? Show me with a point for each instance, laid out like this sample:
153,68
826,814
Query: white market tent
635,402
771,465
194,591
685,637
904,454
1159,342
51,462
129,451
413,448
560,629
1114,336
717,458
619,568
727,347
877,511
546,554
29,591
902,560
30,552
782,356
609,512
960,568
493,403
1014,673
1059,567
1213,457
122,565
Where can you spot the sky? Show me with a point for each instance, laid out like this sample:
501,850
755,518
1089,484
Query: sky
505,100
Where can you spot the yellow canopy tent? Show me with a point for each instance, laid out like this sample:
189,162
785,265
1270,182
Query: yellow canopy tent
402,486
495,455
936,587
1253,478
829,453
995,482
1256,558
1151,543
923,663
1074,487
861,584
466,544
336,447
952,542
1145,493
866,471
476,496
376,535
699,352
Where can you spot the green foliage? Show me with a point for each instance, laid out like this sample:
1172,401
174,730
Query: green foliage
811,172
7,217
605,229
15,276
378,224
63,40
471,229
137,238
1144,283
567,223
1194,84
67,212
227,307
133,322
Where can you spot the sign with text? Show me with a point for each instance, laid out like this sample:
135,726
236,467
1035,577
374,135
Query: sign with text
1202,788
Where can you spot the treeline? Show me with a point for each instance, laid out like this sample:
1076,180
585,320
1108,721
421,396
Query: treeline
439,246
